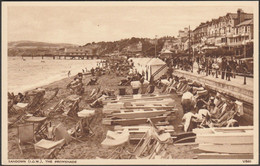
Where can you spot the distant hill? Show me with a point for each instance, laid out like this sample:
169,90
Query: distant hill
145,46
35,44
19,48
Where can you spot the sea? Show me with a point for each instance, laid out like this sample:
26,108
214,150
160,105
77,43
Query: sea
26,74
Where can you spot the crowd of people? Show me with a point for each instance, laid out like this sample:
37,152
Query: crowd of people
225,68
222,67
212,111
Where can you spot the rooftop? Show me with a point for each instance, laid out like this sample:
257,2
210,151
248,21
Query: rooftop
247,22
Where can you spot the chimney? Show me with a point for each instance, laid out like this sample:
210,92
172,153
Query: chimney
240,15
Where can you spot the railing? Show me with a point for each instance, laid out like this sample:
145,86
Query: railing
220,73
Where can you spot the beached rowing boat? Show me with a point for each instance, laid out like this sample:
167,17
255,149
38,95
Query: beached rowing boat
146,106
224,156
139,113
132,98
237,140
137,132
135,121
225,135
227,148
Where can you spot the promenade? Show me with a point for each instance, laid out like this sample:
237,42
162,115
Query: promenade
235,87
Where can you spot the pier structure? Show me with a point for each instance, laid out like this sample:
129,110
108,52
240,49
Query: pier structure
64,56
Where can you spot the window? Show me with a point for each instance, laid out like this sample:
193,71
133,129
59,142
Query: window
248,28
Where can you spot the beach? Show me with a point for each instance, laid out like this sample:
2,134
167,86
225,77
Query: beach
92,145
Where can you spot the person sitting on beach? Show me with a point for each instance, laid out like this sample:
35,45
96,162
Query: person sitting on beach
203,114
76,86
93,81
79,76
186,99
135,86
189,119
210,104
99,101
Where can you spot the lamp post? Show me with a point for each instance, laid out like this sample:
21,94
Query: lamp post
192,51
155,45
193,59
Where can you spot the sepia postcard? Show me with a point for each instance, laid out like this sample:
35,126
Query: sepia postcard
130,83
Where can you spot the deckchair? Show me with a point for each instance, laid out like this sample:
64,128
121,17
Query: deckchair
160,148
93,95
61,133
26,137
185,89
142,145
49,147
151,144
150,89
173,87
71,109
41,125
83,125
117,141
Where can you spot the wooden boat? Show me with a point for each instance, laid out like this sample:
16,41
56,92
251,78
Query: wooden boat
112,107
137,132
225,138
239,129
143,106
138,113
132,98
159,101
227,148
115,139
142,128
224,156
136,121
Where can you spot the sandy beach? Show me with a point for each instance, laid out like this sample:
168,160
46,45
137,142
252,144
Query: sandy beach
91,148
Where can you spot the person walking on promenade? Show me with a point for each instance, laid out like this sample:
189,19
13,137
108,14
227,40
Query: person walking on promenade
234,67
223,68
206,67
210,67
92,71
228,73
170,71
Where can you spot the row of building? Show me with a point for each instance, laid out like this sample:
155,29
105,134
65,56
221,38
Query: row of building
232,31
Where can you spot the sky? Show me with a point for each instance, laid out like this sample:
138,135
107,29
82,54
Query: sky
84,22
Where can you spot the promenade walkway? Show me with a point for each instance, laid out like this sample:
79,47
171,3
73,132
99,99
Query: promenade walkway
238,81
235,87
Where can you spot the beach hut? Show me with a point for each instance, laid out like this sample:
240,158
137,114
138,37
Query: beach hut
154,65
140,64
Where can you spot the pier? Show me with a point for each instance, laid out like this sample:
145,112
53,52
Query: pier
62,56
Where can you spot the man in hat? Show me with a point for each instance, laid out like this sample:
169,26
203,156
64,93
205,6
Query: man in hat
190,118
187,100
